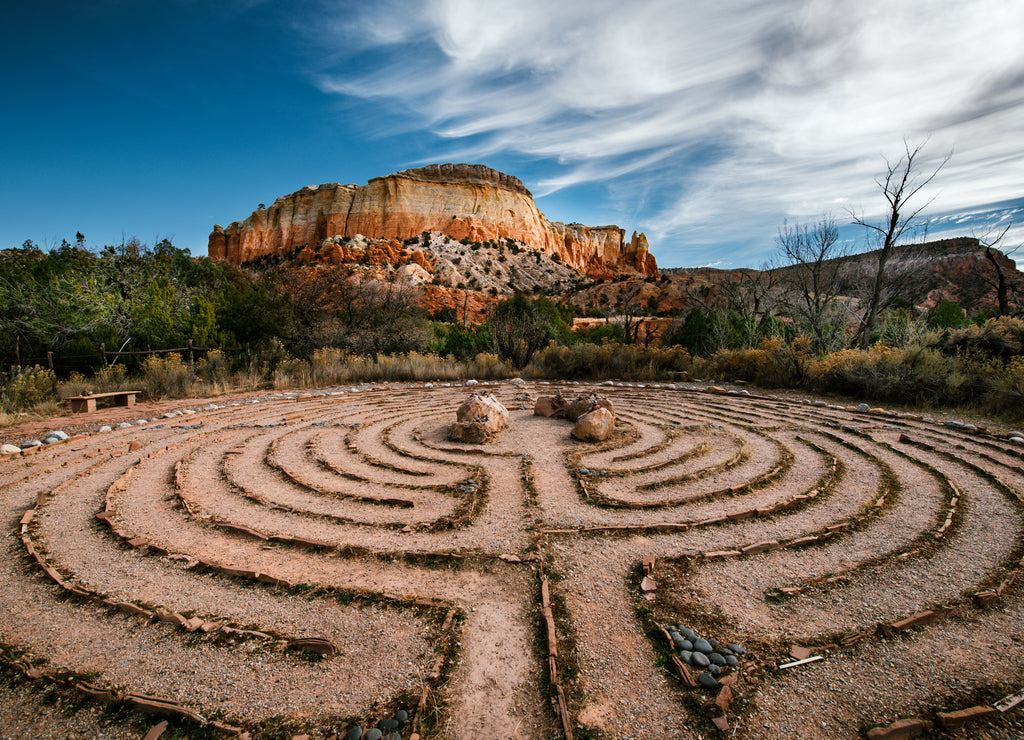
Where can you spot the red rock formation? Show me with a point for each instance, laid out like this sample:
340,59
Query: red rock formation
463,201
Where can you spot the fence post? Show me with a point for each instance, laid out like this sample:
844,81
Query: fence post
49,360
103,352
190,358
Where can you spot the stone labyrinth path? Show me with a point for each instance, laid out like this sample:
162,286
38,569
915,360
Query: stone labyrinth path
309,562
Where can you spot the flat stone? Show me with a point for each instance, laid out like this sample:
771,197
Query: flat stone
798,652
648,584
760,547
724,698
963,716
156,731
722,723
899,730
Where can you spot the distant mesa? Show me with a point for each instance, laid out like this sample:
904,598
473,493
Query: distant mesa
462,201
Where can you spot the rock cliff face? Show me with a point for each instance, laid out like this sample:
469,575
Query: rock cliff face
462,201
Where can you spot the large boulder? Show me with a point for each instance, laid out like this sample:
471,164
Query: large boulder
478,419
594,426
586,404
553,406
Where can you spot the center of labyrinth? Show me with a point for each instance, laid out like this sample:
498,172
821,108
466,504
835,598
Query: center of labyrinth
306,564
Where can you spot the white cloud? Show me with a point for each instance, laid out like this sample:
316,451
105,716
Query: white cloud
739,113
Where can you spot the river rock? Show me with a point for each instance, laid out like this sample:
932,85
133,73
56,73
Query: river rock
9,450
717,658
703,646
700,660
736,648
354,733
707,681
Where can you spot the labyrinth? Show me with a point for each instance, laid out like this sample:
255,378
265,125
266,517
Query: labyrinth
306,563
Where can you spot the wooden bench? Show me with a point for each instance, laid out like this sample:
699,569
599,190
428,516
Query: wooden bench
88,403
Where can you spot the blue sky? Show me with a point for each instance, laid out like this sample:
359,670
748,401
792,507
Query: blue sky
706,125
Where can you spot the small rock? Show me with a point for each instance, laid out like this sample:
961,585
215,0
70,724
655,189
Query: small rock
730,660
387,725
736,648
717,659
373,734
648,584
122,425
31,443
394,736
58,434
355,733
686,645
401,715
1017,440
863,407
9,450
105,428
472,382
714,670
703,646
686,656
707,681
688,633
699,660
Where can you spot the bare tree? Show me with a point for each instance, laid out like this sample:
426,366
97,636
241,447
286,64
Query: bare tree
519,328
900,184
811,279
753,297
1006,282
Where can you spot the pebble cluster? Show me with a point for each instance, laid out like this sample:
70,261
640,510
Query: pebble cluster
707,655
385,729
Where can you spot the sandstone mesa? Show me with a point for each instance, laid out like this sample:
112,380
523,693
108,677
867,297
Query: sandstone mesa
462,201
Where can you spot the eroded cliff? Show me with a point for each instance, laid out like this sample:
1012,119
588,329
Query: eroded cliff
462,201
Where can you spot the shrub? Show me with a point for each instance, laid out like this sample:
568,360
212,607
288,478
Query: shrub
30,387
166,377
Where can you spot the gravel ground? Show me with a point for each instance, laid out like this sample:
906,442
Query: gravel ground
323,467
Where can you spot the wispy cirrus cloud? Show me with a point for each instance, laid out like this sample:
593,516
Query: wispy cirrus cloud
708,124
